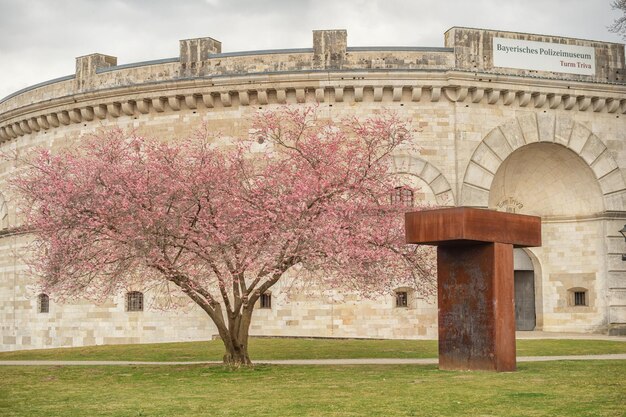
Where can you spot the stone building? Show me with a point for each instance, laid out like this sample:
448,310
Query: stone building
526,123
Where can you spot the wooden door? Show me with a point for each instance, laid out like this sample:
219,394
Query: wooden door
525,300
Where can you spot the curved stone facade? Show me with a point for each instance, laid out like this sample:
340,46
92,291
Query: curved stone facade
540,142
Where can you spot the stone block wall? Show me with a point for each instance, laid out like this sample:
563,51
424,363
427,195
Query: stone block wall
466,126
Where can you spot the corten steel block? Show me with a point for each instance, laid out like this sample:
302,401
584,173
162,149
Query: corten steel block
475,281
476,311
464,224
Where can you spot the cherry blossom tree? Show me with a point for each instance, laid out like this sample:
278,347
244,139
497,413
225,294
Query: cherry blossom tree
222,224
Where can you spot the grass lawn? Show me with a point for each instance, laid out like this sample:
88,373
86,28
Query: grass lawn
584,388
262,348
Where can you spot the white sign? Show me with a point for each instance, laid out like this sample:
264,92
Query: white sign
544,56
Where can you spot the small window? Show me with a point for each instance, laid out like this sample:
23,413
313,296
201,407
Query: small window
134,301
402,299
580,298
43,303
266,300
403,196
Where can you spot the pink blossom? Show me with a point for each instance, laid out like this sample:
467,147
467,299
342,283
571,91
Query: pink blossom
224,225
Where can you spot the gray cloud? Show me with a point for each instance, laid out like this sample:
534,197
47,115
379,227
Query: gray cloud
39,39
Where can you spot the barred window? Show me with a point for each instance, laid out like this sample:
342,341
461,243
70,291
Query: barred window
402,299
266,300
43,303
580,298
403,196
134,301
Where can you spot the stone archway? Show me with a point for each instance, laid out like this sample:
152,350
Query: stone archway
548,180
532,128
428,176
550,166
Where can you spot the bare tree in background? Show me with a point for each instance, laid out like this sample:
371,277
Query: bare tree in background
619,26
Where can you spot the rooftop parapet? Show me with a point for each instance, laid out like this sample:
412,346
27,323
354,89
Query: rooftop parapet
526,54
472,51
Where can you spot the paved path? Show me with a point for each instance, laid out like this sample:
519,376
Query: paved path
428,361
579,336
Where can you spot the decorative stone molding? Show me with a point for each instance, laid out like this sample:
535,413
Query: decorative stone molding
456,94
185,94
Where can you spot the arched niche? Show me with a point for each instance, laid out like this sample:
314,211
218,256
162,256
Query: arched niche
548,180
533,129
431,184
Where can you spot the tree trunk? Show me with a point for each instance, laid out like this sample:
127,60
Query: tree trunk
236,339
236,355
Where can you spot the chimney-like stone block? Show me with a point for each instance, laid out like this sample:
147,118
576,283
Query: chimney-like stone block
329,48
194,52
86,67
198,49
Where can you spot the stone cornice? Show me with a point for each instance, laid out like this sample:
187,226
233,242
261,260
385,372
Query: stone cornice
606,215
384,86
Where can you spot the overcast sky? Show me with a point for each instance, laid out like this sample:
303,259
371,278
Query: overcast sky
39,39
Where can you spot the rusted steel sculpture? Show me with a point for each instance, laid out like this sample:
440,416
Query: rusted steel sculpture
475,281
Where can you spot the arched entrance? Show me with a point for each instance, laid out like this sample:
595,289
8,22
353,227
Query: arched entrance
549,165
553,182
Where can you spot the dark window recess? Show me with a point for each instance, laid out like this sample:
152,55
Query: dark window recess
266,300
43,303
402,299
580,298
134,301
403,196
